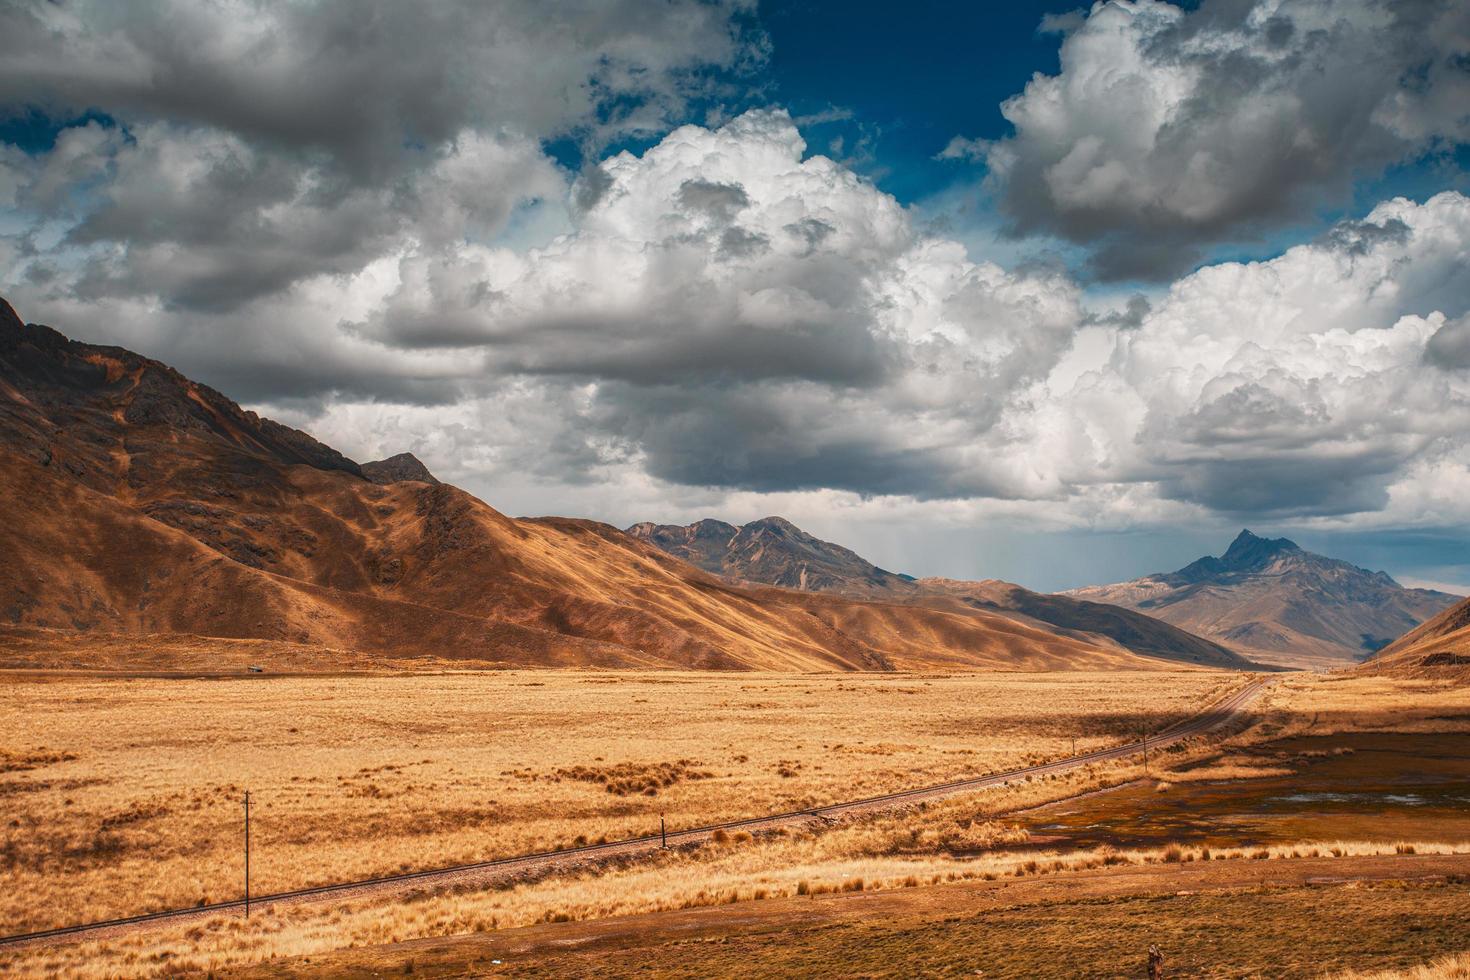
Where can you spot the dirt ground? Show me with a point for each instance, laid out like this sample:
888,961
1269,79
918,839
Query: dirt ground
1295,918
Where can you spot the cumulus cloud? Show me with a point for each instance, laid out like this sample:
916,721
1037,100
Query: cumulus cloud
1293,386
876,360
741,314
1166,130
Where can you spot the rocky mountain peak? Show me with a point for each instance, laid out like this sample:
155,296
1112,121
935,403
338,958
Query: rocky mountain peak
394,469
1250,550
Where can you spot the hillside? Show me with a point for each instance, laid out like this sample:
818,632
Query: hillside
1439,648
141,502
1276,602
773,551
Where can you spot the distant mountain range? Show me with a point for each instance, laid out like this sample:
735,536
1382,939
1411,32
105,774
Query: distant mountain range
139,502
773,551
1274,601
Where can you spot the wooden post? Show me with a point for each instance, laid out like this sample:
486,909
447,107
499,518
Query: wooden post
247,854
662,833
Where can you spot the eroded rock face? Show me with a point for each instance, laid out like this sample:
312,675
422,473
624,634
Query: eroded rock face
397,469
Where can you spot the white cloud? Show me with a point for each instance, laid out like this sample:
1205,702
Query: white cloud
1166,129
1294,385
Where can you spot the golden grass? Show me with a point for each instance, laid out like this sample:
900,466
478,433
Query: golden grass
1454,967
123,794
1316,704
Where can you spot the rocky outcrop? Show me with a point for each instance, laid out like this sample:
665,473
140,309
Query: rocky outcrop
397,469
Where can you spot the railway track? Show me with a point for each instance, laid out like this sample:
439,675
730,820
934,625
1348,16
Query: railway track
485,872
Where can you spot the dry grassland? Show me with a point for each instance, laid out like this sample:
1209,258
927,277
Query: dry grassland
122,795
1317,704
1454,967
522,760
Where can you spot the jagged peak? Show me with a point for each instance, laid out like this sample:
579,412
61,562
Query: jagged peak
1249,547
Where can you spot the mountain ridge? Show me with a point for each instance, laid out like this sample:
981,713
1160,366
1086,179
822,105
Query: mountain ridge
773,551
144,503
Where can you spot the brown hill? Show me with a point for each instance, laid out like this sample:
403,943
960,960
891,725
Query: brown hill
1439,649
140,502
1278,603
773,551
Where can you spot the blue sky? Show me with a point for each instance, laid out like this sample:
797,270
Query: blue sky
961,343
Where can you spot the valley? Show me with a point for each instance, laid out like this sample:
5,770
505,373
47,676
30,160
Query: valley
201,602
728,490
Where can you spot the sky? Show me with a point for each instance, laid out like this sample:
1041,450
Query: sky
1055,294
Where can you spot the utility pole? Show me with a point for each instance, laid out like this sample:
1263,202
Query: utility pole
247,854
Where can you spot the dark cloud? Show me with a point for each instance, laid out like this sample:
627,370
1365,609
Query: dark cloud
1285,485
813,231
1361,237
372,84
737,242
773,437
592,183
720,201
1449,348
1129,318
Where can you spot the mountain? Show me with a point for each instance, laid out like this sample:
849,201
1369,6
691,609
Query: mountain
1438,649
396,469
1274,601
773,551
140,503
